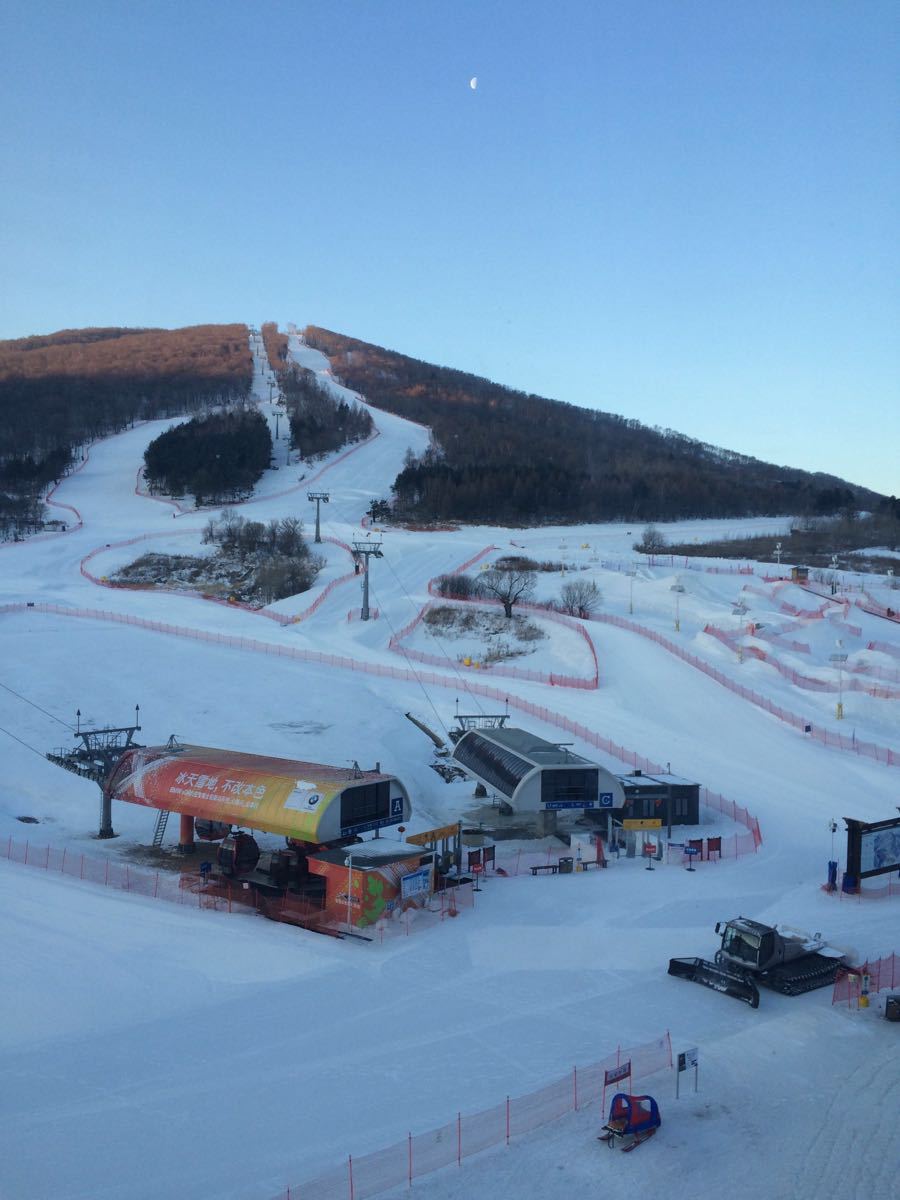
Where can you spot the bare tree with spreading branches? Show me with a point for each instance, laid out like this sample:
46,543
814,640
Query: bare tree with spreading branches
581,597
508,585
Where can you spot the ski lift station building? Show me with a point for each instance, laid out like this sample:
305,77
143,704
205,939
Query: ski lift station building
532,775
309,802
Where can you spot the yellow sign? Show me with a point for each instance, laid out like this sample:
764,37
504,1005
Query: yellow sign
434,835
645,823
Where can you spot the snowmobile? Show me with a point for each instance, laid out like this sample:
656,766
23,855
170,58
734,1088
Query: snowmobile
784,959
632,1120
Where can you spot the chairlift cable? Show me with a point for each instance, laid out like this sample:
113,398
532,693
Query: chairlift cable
39,753
25,700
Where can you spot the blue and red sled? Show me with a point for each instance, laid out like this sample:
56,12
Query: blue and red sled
632,1120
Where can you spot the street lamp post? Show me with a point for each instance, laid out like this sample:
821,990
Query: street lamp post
632,571
677,587
839,659
740,610
348,863
778,553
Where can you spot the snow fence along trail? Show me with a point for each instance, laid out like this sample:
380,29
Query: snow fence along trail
418,1155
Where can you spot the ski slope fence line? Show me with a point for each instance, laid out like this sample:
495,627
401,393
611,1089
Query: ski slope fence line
838,741
548,716
279,618
850,684
468,1134
884,648
497,669
883,973
190,891
866,889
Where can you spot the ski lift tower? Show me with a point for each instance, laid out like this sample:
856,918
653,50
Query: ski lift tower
366,550
94,758
320,498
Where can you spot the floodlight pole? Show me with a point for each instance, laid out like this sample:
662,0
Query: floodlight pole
839,660
319,498
366,550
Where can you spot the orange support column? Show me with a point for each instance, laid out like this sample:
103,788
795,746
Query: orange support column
186,834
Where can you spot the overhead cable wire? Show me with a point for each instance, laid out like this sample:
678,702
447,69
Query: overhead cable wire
39,753
25,700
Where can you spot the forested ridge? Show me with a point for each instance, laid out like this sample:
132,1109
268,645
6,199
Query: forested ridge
60,391
505,455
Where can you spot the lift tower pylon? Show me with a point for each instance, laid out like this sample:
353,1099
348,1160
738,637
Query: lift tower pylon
94,758
320,499
366,550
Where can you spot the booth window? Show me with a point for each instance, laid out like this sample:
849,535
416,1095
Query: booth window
572,787
369,802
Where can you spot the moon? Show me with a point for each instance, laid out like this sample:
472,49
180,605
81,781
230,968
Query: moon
473,82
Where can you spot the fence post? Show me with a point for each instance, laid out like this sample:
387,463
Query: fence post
507,1120
350,1173
575,1085
410,1159
459,1139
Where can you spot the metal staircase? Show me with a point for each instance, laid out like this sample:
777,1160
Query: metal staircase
160,831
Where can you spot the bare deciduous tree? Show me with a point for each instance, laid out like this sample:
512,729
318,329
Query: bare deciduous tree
581,597
653,541
507,585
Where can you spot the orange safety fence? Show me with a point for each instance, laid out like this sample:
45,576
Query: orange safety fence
190,889
866,889
467,1134
850,681
883,973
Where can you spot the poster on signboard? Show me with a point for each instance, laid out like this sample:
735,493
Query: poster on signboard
416,883
688,1058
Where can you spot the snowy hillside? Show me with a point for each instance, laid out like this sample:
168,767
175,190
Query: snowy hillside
150,1050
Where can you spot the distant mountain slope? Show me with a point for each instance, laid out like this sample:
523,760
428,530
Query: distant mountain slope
503,455
63,389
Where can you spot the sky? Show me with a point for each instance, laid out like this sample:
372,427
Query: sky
685,213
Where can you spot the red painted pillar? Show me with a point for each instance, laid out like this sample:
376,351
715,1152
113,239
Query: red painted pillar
186,834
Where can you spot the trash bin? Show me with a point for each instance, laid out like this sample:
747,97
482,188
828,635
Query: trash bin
566,866
892,1008
848,883
832,876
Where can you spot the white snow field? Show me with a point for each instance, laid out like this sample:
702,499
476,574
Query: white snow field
151,1050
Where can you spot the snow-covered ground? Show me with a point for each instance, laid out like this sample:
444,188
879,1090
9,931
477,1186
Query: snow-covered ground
150,1050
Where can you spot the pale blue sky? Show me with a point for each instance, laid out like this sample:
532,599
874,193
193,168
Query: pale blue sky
683,212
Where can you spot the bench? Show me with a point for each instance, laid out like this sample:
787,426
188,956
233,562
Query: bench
587,863
553,868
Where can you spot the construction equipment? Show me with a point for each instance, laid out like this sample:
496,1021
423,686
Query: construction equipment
632,1120
781,958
